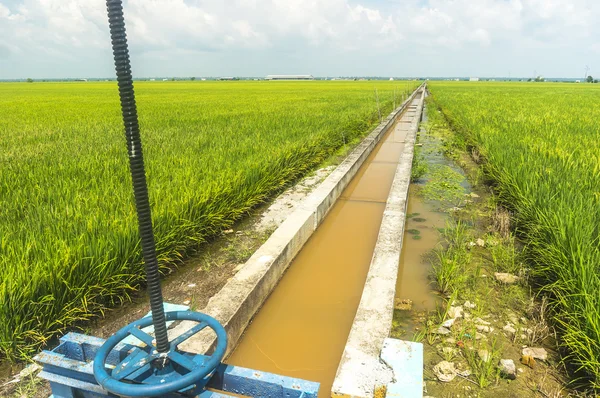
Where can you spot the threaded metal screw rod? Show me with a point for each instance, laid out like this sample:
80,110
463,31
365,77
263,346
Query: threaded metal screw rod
136,162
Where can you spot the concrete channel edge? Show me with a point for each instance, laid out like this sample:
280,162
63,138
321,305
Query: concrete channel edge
240,299
361,369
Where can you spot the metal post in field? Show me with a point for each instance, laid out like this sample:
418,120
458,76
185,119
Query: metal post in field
378,107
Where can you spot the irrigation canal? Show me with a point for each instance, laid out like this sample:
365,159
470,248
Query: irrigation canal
302,328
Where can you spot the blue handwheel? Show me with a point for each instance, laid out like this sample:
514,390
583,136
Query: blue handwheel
145,372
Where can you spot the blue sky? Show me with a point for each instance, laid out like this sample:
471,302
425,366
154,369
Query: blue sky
69,38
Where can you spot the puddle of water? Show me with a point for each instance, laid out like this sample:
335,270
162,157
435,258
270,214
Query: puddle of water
414,268
302,328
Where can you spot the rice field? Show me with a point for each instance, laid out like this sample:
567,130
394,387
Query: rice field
541,145
69,245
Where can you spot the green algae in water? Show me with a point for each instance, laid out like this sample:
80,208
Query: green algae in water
419,219
414,231
416,237
444,185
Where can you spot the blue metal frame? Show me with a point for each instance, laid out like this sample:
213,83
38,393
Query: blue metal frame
69,369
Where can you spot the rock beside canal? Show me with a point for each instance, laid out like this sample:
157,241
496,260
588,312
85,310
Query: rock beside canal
508,368
537,353
506,278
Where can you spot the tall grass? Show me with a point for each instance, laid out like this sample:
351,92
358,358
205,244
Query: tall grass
68,236
541,145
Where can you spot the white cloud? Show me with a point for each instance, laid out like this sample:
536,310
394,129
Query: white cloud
324,30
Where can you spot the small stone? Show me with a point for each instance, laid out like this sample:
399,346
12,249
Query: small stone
537,353
480,242
469,305
467,315
508,369
191,285
484,355
450,340
480,321
403,304
506,278
479,336
473,195
472,244
455,312
445,371
186,302
228,231
508,328
442,331
448,323
484,329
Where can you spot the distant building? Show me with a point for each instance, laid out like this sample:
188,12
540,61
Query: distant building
289,77
391,79
81,80
228,78
474,79
152,80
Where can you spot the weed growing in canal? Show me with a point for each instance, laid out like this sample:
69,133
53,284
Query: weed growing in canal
482,359
419,165
451,259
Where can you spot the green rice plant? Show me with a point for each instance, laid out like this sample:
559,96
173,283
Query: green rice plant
505,257
540,146
483,358
419,165
448,269
69,245
452,258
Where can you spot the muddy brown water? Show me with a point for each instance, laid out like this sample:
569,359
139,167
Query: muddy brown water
302,328
414,268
